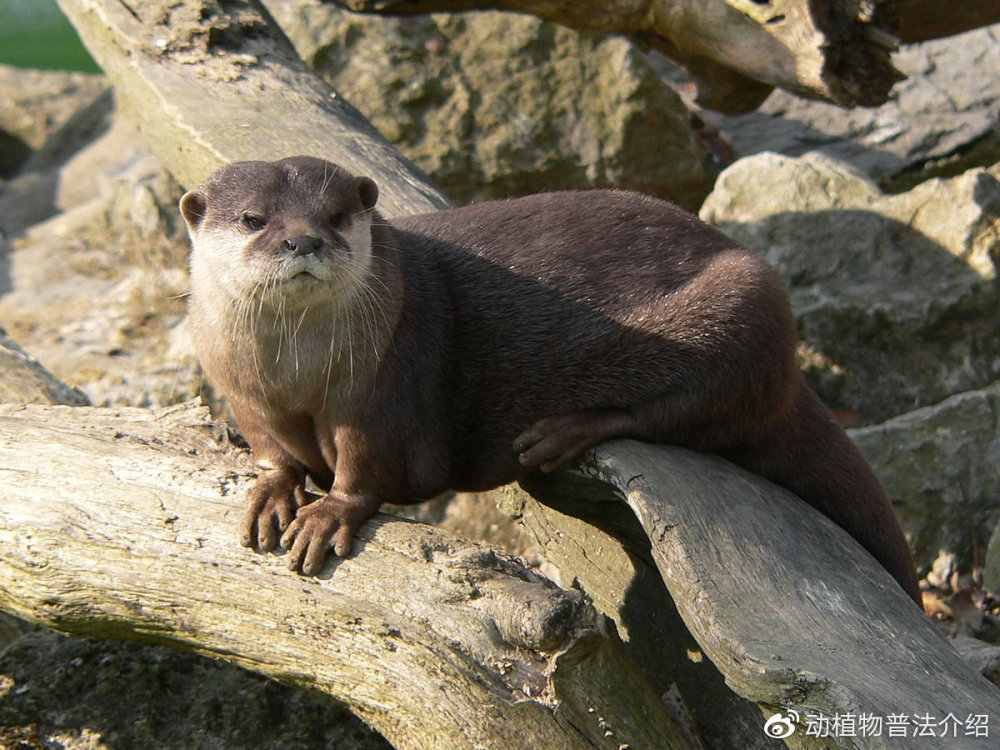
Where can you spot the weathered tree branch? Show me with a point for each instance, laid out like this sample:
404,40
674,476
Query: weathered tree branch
737,49
121,523
788,607
108,516
210,82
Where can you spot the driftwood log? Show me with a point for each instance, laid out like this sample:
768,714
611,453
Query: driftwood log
737,50
125,528
121,523
209,82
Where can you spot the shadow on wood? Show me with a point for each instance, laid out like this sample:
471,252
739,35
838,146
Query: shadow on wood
790,609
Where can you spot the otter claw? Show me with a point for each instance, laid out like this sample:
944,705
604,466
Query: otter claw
553,441
329,523
272,503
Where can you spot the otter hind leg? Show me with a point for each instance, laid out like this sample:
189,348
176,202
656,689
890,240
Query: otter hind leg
552,441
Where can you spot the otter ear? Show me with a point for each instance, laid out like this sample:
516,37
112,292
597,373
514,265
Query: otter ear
368,192
193,209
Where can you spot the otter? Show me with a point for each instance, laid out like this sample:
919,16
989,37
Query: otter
392,361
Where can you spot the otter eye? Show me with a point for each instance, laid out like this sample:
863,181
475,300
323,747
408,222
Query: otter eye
338,220
253,222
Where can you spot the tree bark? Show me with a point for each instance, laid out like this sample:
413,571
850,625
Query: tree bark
791,610
736,49
209,82
122,523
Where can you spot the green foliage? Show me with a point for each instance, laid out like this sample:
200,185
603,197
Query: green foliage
35,34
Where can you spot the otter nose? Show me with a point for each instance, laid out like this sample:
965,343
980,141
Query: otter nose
302,245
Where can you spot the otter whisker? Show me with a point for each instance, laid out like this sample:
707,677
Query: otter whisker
295,338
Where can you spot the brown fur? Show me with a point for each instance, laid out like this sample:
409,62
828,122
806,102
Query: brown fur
467,347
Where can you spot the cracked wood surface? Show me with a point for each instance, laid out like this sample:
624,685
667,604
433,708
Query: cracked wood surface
122,523
209,82
790,609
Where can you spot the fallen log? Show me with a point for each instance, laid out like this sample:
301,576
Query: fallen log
209,82
121,523
736,49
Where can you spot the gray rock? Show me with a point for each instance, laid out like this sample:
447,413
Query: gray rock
895,294
36,105
938,465
940,121
45,117
26,381
495,104
991,567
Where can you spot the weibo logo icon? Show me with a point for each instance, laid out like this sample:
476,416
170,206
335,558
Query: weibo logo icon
781,726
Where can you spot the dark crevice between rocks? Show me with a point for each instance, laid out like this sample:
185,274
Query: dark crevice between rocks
983,151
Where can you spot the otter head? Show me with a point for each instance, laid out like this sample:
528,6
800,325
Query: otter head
288,233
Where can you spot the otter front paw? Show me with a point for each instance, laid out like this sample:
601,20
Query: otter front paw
329,522
271,506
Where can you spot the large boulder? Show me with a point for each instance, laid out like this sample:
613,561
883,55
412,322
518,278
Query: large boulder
37,109
895,294
496,104
24,380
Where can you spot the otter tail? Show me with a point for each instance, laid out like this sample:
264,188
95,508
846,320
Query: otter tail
808,452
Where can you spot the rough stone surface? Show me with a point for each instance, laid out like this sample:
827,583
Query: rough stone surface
37,106
943,119
938,465
96,292
26,381
496,104
97,695
895,294
991,566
